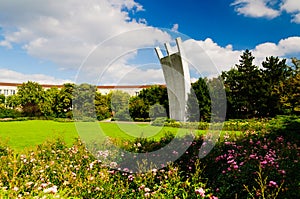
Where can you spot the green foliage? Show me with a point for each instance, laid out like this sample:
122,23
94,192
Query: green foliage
243,85
150,103
13,101
138,108
2,99
83,101
256,165
267,92
201,92
9,113
30,95
103,106
120,105
54,170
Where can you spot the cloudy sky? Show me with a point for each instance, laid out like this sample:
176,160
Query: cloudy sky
112,41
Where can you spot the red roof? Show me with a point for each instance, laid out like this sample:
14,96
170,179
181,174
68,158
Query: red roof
99,87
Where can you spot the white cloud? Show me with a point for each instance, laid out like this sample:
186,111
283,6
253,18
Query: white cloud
268,8
65,32
255,8
175,27
209,58
70,31
292,7
7,75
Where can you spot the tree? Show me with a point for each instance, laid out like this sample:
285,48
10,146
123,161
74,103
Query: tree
2,99
274,73
120,105
64,101
138,108
290,92
83,101
243,88
201,92
103,106
12,101
151,97
49,102
30,95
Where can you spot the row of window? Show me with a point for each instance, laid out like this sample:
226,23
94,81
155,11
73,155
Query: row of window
7,91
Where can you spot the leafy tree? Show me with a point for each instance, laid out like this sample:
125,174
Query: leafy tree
218,101
138,108
2,99
30,95
120,105
103,106
12,101
83,101
49,103
192,106
291,95
64,101
150,97
200,90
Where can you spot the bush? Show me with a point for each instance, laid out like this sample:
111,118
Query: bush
9,113
160,121
54,170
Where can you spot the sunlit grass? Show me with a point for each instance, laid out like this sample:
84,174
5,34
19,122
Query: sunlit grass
27,134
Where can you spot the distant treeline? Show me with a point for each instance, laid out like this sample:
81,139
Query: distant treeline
251,92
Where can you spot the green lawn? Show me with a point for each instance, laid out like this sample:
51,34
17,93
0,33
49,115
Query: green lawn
25,134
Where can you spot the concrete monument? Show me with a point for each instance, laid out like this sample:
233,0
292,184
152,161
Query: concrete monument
177,77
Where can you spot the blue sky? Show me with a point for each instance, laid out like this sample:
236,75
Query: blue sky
112,41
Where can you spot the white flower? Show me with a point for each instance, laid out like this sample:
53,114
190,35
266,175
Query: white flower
147,189
51,190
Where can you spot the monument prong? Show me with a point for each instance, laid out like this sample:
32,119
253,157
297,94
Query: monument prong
179,46
168,48
159,53
177,77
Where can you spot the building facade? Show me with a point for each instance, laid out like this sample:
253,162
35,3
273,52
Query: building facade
12,88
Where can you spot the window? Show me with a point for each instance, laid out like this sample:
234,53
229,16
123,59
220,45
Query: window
12,92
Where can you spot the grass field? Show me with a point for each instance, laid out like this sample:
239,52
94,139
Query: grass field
25,134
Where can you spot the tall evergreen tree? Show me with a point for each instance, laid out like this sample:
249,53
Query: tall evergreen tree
243,86
275,73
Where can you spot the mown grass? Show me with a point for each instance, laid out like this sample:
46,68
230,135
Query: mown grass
20,135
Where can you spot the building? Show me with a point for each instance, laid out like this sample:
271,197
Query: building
12,88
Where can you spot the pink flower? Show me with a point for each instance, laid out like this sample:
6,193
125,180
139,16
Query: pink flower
264,162
230,161
253,156
273,184
235,167
200,191
282,172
